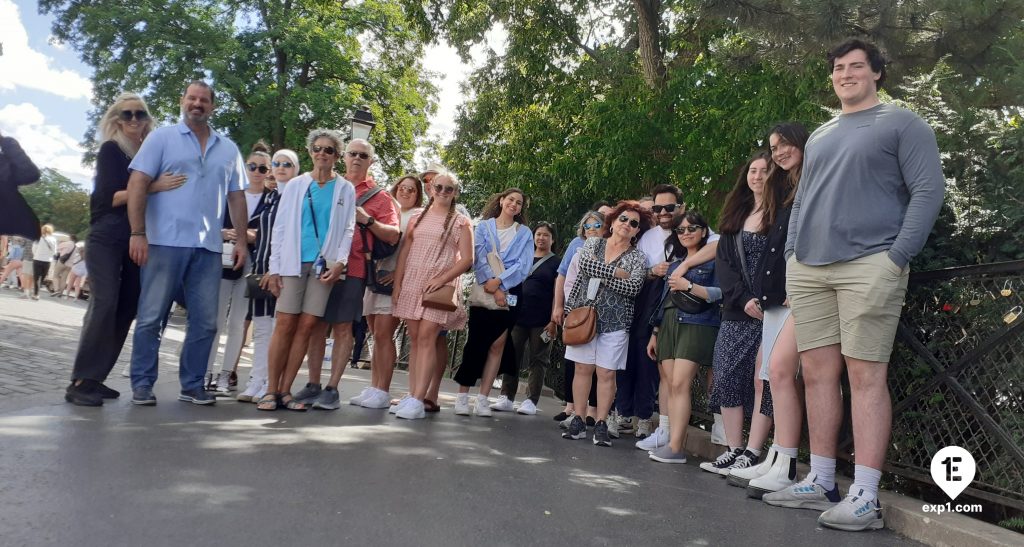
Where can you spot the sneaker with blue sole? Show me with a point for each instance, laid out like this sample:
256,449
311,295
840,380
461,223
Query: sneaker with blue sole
854,514
805,494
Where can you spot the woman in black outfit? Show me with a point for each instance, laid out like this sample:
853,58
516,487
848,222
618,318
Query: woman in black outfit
113,277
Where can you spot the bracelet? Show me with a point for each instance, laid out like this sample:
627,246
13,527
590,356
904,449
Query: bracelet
139,233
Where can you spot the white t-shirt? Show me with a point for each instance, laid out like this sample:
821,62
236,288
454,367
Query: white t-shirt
652,244
251,201
506,236
44,249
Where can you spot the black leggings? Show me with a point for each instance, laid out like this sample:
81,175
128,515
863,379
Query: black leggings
39,271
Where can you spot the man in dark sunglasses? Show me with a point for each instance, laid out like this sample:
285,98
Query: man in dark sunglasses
376,217
172,241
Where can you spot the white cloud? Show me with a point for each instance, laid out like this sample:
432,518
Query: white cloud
47,144
22,66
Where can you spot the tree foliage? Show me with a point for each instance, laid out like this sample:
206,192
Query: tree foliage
58,201
604,99
281,68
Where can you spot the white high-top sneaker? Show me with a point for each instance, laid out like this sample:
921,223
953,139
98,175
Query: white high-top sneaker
740,477
781,475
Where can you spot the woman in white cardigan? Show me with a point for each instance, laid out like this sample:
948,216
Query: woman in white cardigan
310,245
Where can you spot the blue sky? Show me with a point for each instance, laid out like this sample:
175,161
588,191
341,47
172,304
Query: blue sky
45,91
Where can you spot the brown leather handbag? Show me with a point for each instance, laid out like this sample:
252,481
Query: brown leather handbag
441,299
580,326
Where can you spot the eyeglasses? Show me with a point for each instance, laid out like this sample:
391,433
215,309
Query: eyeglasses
329,150
262,168
360,155
442,189
140,115
670,208
691,229
593,226
285,164
632,222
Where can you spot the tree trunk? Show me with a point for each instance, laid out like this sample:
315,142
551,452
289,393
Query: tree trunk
649,34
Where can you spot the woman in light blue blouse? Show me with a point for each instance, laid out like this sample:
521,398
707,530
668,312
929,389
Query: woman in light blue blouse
502,256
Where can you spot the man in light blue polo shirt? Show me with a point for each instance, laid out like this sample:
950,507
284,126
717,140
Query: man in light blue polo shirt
176,239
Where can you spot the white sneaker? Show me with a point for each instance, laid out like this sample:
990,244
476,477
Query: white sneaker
376,399
462,404
503,405
126,371
564,424
398,406
742,477
527,408
718,432
413,410
613,427
482,407
222,382
252,390
358,399
655,440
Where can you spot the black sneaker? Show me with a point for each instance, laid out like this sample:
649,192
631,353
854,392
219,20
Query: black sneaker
197,397
743,461
106,392
601,437
83,394
561,416
233,381
143,396
723,462
591,422
577,429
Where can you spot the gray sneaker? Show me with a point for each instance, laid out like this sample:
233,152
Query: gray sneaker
328,399
143,396
601,437
665,454
308,395
853,514
805,494
577,429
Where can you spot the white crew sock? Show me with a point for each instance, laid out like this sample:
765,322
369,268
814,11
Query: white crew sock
825,469
663,421
865,482
791,452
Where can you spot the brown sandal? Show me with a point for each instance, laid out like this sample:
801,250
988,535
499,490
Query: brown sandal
291,403
431,406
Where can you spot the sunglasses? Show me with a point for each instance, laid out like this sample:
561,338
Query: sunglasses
329,150
691,229
261,168
592,226
633,223
406,189
360,155
671,208
140,115
285,164
442,189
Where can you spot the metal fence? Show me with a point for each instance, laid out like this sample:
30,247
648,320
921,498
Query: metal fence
957,377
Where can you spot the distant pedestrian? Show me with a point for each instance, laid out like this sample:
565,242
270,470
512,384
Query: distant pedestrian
43,252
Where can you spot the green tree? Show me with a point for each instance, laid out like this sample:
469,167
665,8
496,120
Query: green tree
58,201
281,68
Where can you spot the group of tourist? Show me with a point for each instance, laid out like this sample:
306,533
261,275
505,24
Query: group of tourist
804,277
28,265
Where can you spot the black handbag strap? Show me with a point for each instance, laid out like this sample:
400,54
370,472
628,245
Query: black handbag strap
312,214
743,261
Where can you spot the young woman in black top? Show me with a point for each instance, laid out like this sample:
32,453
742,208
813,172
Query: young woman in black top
113,277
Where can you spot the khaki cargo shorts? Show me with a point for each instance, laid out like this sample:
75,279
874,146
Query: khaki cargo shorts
855,304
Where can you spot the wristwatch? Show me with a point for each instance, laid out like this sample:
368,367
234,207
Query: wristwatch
689,288
370,222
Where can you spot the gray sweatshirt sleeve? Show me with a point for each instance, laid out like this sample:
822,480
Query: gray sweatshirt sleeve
922,173
794,215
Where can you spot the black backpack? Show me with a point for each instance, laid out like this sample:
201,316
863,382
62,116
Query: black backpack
381,249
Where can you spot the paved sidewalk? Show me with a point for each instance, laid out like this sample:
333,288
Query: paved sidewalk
230,475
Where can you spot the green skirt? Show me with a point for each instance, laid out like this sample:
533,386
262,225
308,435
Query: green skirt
686,341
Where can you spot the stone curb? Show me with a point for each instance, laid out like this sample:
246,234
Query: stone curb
903,514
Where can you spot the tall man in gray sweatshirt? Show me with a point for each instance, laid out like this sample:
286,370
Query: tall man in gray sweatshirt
871,190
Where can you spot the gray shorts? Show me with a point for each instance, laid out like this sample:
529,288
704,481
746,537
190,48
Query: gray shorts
345,304
303,293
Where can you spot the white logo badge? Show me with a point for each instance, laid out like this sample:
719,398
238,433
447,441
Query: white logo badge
953,470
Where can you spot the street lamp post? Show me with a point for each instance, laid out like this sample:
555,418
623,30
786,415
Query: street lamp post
362,123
